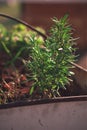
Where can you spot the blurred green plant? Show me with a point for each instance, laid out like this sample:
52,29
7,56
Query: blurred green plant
16,43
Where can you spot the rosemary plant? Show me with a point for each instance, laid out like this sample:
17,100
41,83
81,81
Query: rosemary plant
50,64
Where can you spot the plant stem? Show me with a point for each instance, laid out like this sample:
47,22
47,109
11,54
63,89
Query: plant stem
24,23
79,67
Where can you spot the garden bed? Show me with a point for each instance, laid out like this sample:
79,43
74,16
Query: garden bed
34,65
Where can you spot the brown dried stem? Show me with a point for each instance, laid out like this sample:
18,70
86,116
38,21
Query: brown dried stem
24,23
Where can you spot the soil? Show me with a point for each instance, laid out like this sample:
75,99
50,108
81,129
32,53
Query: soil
15,84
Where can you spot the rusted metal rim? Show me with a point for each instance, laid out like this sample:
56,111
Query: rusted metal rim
44,101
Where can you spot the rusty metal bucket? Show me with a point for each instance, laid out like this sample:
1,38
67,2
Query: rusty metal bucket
64,113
